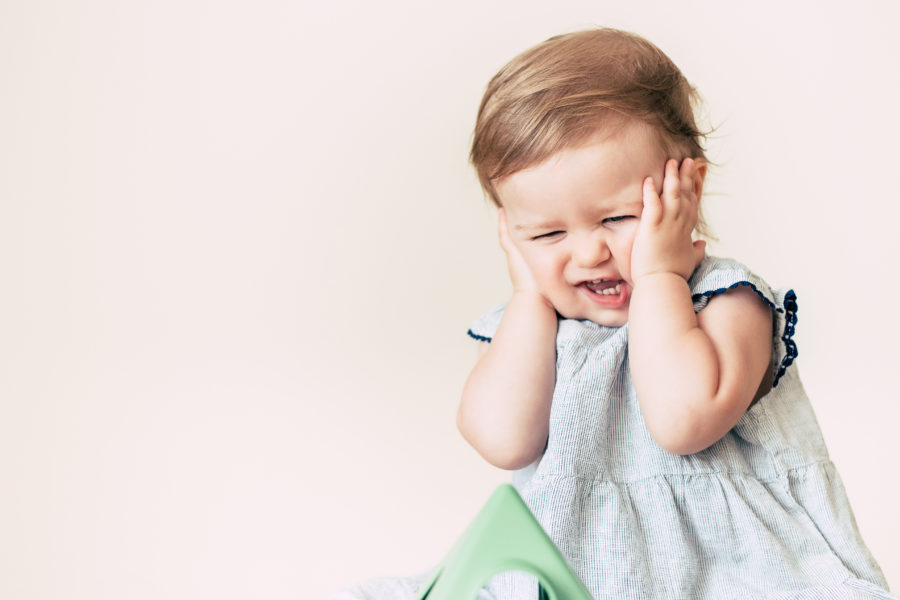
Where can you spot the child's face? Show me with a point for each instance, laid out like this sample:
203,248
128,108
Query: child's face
574,216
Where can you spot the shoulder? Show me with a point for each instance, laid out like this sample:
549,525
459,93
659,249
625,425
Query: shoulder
729,297
716,276
731,301
484,327
739,323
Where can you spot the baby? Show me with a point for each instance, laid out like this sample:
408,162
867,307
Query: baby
643,392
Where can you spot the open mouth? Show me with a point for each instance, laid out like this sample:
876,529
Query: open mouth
605,287
607,292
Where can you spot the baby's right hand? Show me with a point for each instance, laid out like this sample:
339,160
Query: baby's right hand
519,272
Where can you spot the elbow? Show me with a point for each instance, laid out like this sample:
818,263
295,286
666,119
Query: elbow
501,446
508,458
681,446
690,425
683,434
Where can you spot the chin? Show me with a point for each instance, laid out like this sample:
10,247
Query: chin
607,322
616,322
610,317
605,319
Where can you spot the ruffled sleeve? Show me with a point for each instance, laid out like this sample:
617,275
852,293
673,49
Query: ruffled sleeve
718,275
486,325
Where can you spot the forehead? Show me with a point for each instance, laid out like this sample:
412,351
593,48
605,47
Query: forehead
608,166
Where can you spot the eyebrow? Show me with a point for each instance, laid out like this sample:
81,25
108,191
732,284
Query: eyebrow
626,206
543,225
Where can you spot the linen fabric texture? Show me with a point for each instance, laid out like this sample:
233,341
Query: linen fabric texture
760,514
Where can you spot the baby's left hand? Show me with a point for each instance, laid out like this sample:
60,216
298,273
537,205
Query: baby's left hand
663,241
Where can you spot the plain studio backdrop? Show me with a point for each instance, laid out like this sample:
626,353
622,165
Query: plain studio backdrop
240,246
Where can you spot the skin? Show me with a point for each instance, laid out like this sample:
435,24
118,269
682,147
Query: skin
613,209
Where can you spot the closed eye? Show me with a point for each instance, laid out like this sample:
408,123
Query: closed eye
617,219
546,236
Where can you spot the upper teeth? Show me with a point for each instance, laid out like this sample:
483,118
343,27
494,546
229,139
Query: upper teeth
611,291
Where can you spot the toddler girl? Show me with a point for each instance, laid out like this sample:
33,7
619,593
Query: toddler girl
643,392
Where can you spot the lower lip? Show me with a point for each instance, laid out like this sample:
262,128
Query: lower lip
611,301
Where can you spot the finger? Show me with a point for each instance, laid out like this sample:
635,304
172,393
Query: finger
688,175
502,229
688,167
652,212
671,188
689,204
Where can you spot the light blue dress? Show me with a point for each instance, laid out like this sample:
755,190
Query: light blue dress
760,514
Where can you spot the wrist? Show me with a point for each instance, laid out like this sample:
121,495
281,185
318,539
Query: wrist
532,297
657,277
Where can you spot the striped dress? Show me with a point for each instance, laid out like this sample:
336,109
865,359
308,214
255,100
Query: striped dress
760,514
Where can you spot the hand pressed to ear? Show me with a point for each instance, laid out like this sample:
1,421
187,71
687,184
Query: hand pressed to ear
663,241
519,271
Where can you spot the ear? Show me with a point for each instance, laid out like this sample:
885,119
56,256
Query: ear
699,176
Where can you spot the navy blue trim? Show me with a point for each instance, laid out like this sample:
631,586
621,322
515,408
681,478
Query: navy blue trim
790,346
480,338
790,321
711,293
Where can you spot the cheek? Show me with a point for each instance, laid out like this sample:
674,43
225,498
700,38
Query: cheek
543,262
621,248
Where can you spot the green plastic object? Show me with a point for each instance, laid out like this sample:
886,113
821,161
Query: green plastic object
504,536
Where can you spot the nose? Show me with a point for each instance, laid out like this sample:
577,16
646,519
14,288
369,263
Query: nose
589,251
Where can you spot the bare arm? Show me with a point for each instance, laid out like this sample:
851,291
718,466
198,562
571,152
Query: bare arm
695,374
505,408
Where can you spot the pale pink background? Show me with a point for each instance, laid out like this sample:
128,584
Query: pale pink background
240,246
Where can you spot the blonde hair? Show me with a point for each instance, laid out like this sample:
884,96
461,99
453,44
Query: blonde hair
556,94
